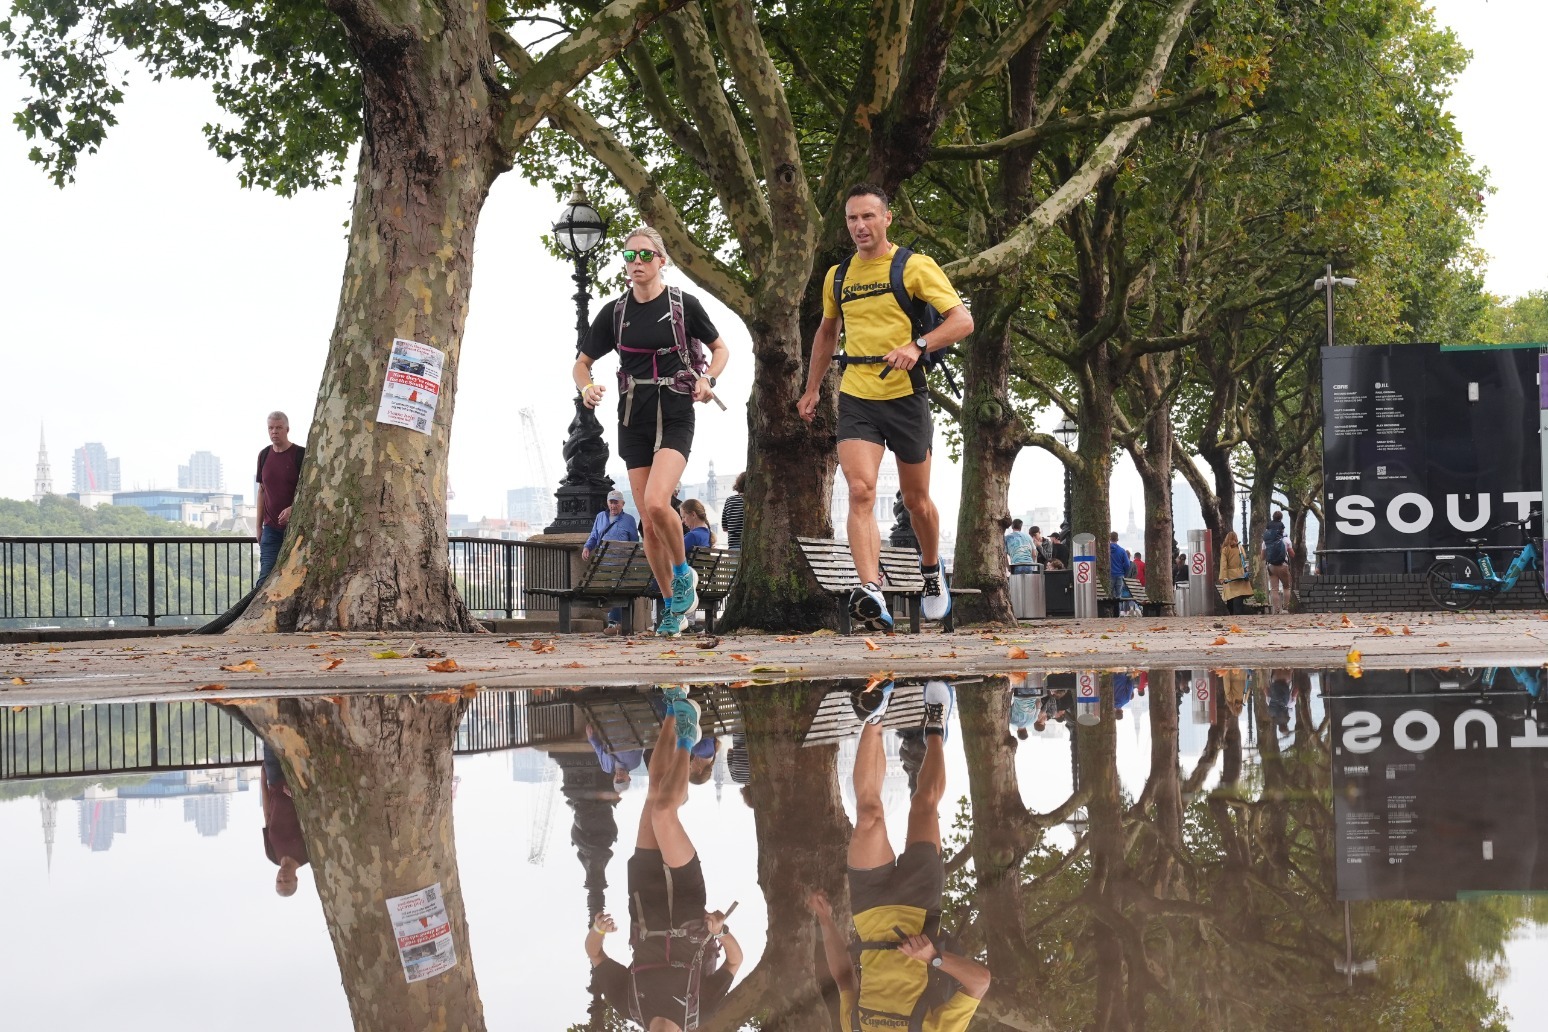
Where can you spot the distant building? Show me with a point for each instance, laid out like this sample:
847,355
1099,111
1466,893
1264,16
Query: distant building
94,472
206,509
530,505
43,481
102,815
203,473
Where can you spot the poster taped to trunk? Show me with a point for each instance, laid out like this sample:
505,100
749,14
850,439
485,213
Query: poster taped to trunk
412,387
423,933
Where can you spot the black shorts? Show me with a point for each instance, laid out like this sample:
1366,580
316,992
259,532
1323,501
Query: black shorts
901,424
915,879
637,441
670,896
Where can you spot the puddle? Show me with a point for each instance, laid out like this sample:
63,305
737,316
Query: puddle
1264,849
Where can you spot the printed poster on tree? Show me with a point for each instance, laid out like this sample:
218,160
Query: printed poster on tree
412,387
423,933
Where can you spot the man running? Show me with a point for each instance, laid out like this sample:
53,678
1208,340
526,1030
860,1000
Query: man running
883,399
895,976
672,981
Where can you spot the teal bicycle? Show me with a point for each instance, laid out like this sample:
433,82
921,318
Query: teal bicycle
1458,581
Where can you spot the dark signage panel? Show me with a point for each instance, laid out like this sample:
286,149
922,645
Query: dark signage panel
1424,446
1440,783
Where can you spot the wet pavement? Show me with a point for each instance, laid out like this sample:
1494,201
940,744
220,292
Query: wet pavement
1163,847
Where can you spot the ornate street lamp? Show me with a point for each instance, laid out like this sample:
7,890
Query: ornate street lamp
583,492
1067,431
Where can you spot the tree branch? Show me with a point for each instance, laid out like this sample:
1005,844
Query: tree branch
1037,134
1098,39
993,61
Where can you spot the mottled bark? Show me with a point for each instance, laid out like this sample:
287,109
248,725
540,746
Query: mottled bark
372,781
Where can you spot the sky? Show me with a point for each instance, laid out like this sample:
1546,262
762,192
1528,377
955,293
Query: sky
159,308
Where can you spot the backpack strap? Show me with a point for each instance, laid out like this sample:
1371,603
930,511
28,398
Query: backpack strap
906,301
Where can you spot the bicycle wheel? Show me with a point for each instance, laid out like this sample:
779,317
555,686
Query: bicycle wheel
1448,580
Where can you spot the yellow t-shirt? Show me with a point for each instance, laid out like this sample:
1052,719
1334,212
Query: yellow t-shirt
874,324
891,983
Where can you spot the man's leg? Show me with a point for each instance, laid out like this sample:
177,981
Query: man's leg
269,539
668,786
924,818
914,479
868,845
860,461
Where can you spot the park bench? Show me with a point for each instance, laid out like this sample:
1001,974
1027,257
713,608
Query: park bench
1109,606
618,573
625,719
835,719
834,567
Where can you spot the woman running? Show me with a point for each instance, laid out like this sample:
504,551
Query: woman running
652,327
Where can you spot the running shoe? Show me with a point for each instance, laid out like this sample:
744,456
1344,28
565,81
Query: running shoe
871,701
935,603
671,625
685,592
940,700
686,711
868,609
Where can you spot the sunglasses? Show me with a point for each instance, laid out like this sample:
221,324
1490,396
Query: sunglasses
645,256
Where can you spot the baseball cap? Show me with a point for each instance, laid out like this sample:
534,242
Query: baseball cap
615,496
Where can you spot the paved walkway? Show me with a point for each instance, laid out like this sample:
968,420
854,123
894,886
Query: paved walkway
159,668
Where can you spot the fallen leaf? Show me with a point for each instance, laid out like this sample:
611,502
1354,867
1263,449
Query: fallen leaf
1220,641
823,632
1158,628
707,644
872,646
1352,663
786,637
514,644
314,645
577,665
1054,654
1344,621
669,654
542,648
18,680
1235,629
247,666
1015,652
55,648
17,709
445,666
740,684
332,664
1407,631
389,654
210,688
1137,647
741,658
1379,629
420,652
1353,657
449,695
1443,644
876,679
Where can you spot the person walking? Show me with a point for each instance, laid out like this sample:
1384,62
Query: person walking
1235,588
866,296
654,328
611,524
733,515
1276,562
1117,565
279,471
897,975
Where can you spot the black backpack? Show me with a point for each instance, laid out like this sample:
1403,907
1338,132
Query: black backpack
921,315
1274,552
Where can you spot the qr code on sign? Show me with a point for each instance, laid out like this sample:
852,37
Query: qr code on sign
430,894
422,424
1381,471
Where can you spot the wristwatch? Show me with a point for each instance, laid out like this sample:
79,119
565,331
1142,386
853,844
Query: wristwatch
711,380
922,344
935,961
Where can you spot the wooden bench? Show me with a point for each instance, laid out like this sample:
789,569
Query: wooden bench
835,719
627,719
1109,606
833,565
619,573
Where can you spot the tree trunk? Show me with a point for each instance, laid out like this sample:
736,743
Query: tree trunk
372,781
366,545
1152,457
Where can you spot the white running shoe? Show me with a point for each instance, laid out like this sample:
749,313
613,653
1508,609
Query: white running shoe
935,603
868,609
940,699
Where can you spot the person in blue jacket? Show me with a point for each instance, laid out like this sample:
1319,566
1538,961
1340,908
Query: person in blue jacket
612,524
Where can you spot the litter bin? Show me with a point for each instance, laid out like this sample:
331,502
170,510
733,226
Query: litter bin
1027,597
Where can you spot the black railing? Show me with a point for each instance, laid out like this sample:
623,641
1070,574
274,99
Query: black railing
147,737
1401,560
151,581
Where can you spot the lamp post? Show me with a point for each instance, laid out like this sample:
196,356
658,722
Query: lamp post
583,492
1067,431
1326,283
1244,523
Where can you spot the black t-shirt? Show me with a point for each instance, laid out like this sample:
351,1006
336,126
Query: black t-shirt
662,990
648,325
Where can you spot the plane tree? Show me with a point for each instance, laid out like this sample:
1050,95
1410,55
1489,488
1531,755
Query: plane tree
437,116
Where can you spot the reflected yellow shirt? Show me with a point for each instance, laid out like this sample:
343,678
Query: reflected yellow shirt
874,324
891,983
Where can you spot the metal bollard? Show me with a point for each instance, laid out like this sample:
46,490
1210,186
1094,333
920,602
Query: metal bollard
1084,564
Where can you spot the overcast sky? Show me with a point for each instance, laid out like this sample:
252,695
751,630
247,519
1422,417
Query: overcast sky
157,307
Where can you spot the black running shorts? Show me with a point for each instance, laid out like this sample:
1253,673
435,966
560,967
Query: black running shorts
637,441
901,424
670,896
915,879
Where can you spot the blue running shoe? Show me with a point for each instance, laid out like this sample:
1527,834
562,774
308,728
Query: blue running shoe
685,592
671,625
687,713
940,699
674,693
868,609
871,701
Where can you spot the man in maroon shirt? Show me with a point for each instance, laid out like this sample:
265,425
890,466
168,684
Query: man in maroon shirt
282,841
279,470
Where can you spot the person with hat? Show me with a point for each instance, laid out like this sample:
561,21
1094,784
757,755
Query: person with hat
611,524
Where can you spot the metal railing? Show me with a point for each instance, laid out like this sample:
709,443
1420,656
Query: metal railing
1414,560
148,737
149,581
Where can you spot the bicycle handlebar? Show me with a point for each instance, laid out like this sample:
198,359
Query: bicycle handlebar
1535,514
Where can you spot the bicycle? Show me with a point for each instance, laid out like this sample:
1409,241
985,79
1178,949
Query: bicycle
1458,581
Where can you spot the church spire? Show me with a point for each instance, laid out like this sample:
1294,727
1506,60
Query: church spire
43,482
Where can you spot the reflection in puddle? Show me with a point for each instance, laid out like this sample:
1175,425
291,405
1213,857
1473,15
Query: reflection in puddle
1164,848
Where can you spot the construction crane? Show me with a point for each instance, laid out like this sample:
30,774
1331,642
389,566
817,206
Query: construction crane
543,816
532,440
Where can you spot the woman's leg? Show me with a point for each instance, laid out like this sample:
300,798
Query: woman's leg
652,487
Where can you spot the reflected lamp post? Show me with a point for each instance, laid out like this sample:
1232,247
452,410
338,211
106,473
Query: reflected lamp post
582,494
1326,283
1067,430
